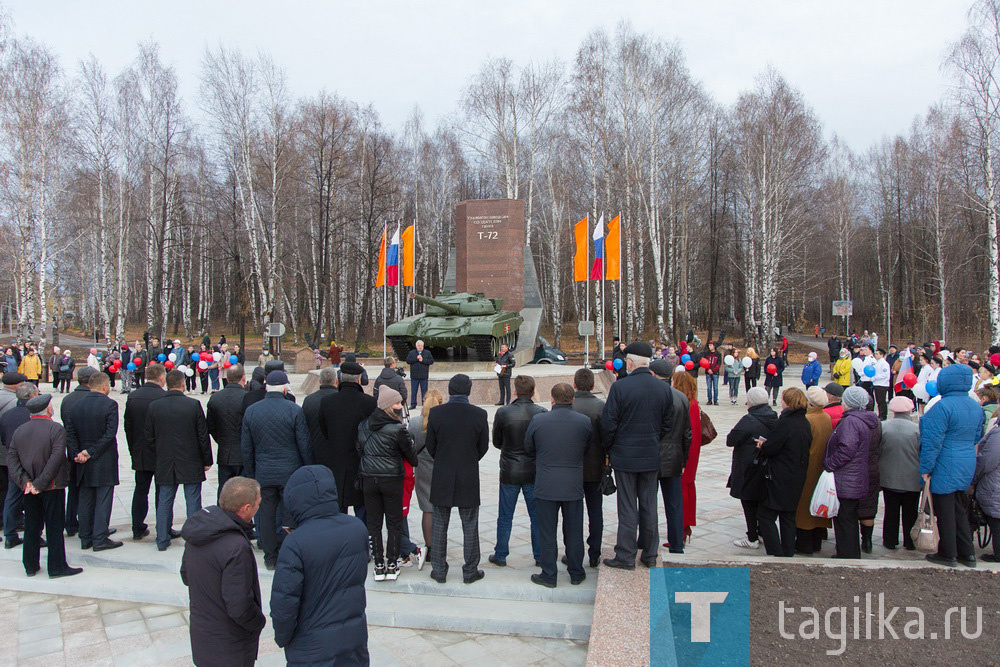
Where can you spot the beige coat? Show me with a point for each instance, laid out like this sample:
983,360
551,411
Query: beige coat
822,429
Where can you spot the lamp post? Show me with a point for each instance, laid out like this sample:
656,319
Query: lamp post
888,317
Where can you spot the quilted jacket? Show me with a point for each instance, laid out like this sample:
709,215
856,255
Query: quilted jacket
949,432
274,440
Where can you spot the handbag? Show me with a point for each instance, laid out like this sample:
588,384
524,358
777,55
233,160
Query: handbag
607,481
708,432
755,479
925,531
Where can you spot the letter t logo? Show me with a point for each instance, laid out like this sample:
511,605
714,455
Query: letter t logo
701,612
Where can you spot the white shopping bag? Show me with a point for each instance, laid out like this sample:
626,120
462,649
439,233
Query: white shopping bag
824,501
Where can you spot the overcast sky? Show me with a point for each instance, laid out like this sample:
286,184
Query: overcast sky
867,67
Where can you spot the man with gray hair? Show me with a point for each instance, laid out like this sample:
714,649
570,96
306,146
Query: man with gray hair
9,422
637,415
340,414
419,360
312,410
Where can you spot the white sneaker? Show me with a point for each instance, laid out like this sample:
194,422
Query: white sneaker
406,562
421,558
391,572
744,543
380,573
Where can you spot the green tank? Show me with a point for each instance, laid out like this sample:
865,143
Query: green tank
464,320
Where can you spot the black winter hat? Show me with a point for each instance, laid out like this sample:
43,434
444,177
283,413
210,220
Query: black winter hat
351,368
460,385
639,349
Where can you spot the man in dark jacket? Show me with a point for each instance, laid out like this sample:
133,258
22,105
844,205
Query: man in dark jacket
274,443
141,451
220,571
225,423
419,361
833,347
11,420
390,377
340,415
504,362
177,432
92,441
311,408
586,403
675,447
258,384
318,595
8,400
517,467
638,413
559,440
457,439
83,375
37,461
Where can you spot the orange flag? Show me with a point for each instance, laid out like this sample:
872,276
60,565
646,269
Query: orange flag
380,274
613,250
408,256
582,256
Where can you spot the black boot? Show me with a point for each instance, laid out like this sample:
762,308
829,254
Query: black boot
866,538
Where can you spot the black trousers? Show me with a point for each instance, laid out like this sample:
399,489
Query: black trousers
953,525
72,522
95,513
595,518
204,386
140,377
637,512
547,515
226,473
191,383
749,382
470,540
3,486
882,401
415,385
48,509
809,540
897,502
64,382
775,546
672,491
504,380
750,508
846,529
384,499
267,520
994,524
140,500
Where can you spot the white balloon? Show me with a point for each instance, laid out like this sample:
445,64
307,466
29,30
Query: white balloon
202,365
217,356
172,356
189,372
729,360
182,368
679,369
747,362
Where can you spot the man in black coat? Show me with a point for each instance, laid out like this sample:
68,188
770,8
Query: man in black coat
92,441
594,458
11,420
457,439
638,413
177,432
220,571
258,384
505,362
340,415
517,467
312,407
141,451
225,423
390,377
675,447
37,461
83,375
419,361
558,440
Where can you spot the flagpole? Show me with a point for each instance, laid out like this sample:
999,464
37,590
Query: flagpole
385,289
604,263
586,316
621,326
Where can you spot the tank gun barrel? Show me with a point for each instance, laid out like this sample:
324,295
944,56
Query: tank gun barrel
449,307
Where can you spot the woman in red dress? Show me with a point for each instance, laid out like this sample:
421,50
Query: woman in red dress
687,385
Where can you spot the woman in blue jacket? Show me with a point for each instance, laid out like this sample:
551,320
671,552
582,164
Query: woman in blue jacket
949,432
812,371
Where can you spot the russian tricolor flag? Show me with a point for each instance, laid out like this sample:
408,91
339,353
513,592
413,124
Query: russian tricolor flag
392,260
597,270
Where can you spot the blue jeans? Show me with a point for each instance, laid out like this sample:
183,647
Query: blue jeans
406,545
165,508
213,376
712,381
505,516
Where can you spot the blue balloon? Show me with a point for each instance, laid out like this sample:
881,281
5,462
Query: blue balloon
131,366
870,371
686,358
161,357
618,364
233,359
195,357
932,388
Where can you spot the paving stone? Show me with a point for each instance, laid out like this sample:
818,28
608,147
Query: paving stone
129,629
121,616
40,647
173,620
77,638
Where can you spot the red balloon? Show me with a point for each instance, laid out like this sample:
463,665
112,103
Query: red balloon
137,361
995,360
689,365
610,365
910,380
226,364
705,363
772,369
168,364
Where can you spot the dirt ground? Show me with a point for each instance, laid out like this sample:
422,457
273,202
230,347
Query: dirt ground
934,591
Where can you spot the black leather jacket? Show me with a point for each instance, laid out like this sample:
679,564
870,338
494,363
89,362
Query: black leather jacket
382,444
509,426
